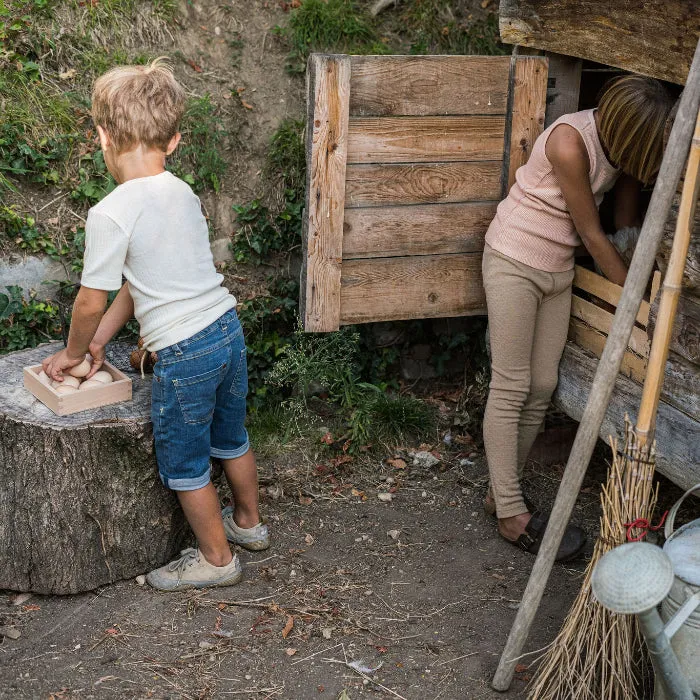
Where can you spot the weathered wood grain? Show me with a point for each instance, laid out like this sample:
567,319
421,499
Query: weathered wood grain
606,290
430,286
428,85
421,183
685,337
329,88
677,434
380,232
425,139
602,320
81,503
691,274
590,339
563,86
529,104
653,37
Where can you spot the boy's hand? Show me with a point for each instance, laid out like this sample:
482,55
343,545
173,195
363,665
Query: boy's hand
97,352
55,365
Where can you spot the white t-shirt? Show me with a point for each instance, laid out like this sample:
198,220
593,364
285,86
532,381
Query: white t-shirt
151,230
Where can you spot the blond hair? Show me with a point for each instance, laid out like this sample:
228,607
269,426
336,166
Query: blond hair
139,104
632,113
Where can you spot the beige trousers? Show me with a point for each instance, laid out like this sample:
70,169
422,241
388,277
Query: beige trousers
528,323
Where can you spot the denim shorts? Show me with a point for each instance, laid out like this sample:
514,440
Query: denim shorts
199,403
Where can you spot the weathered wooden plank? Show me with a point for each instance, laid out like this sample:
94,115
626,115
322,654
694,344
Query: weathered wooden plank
380,232
589,338
425,139
653,37
429,286
677,434
681,386
529,104
602,320
563,85
685,338
691,274
329,92
428,85
421,183
606,290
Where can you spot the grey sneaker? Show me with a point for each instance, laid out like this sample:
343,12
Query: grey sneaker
254,539
192,570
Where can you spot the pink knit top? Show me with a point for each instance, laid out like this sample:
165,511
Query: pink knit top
533,224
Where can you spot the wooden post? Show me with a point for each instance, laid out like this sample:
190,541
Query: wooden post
527,121
327,142
608,368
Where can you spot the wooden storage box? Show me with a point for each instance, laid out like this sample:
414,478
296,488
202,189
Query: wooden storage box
65,404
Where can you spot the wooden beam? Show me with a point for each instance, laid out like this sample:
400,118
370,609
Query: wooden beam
428,85
652,37
677,434
422,183
421,286
327,138
380,232
563,85
685,337
529,102
425,139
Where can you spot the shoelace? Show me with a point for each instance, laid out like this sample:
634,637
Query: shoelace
189,557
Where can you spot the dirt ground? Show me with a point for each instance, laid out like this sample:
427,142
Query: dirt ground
411,598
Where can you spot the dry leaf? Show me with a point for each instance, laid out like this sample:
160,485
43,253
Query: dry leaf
247,105
327,439
194,66
305,500
357,492
520,668
397,463
309,539
68,74
290,651
288,628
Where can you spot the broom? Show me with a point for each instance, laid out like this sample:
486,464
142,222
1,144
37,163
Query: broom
597,654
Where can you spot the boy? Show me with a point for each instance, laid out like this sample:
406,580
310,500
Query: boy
151,230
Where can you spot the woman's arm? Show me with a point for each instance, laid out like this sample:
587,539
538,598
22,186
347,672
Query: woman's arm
567,154
120,311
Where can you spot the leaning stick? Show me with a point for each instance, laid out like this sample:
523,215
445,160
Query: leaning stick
606,374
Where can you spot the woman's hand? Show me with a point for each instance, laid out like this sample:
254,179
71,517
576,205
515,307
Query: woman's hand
97,352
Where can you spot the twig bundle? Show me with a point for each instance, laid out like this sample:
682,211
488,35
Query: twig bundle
599,655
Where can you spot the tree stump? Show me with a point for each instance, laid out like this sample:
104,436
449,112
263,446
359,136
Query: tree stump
81,503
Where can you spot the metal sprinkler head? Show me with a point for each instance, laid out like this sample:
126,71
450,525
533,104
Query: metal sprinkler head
632,578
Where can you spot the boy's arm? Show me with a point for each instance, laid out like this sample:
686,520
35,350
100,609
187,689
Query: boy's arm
121,311
567,154
88,310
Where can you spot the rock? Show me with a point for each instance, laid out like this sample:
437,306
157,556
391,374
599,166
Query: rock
10,632
425,460
385,497
394,534
141,580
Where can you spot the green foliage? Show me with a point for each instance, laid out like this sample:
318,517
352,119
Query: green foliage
198,160
26,323
286,157
340,26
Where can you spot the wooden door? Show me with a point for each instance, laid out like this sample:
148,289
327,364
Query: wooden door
407,158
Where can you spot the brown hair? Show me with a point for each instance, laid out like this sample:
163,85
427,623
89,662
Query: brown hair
632,113
139,104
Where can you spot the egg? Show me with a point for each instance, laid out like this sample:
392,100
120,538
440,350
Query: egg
73,382
91,384
44,378
102,376
80,370
67,389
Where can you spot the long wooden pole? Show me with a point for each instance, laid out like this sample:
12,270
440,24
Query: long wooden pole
606,374
670,291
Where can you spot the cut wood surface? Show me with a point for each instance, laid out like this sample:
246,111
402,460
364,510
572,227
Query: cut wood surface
691,274
677,434
329,88
421,183
425,139
529,104
419,230
606,290
430,286
653,37
589,338
81,503
428,85
602,320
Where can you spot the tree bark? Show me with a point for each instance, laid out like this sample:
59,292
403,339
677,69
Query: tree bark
81,503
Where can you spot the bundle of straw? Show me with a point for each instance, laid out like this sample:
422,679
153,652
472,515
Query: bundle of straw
599,655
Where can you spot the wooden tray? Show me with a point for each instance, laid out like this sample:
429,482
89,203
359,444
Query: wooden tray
65,404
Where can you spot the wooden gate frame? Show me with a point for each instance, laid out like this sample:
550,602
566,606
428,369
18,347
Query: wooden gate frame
456,126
